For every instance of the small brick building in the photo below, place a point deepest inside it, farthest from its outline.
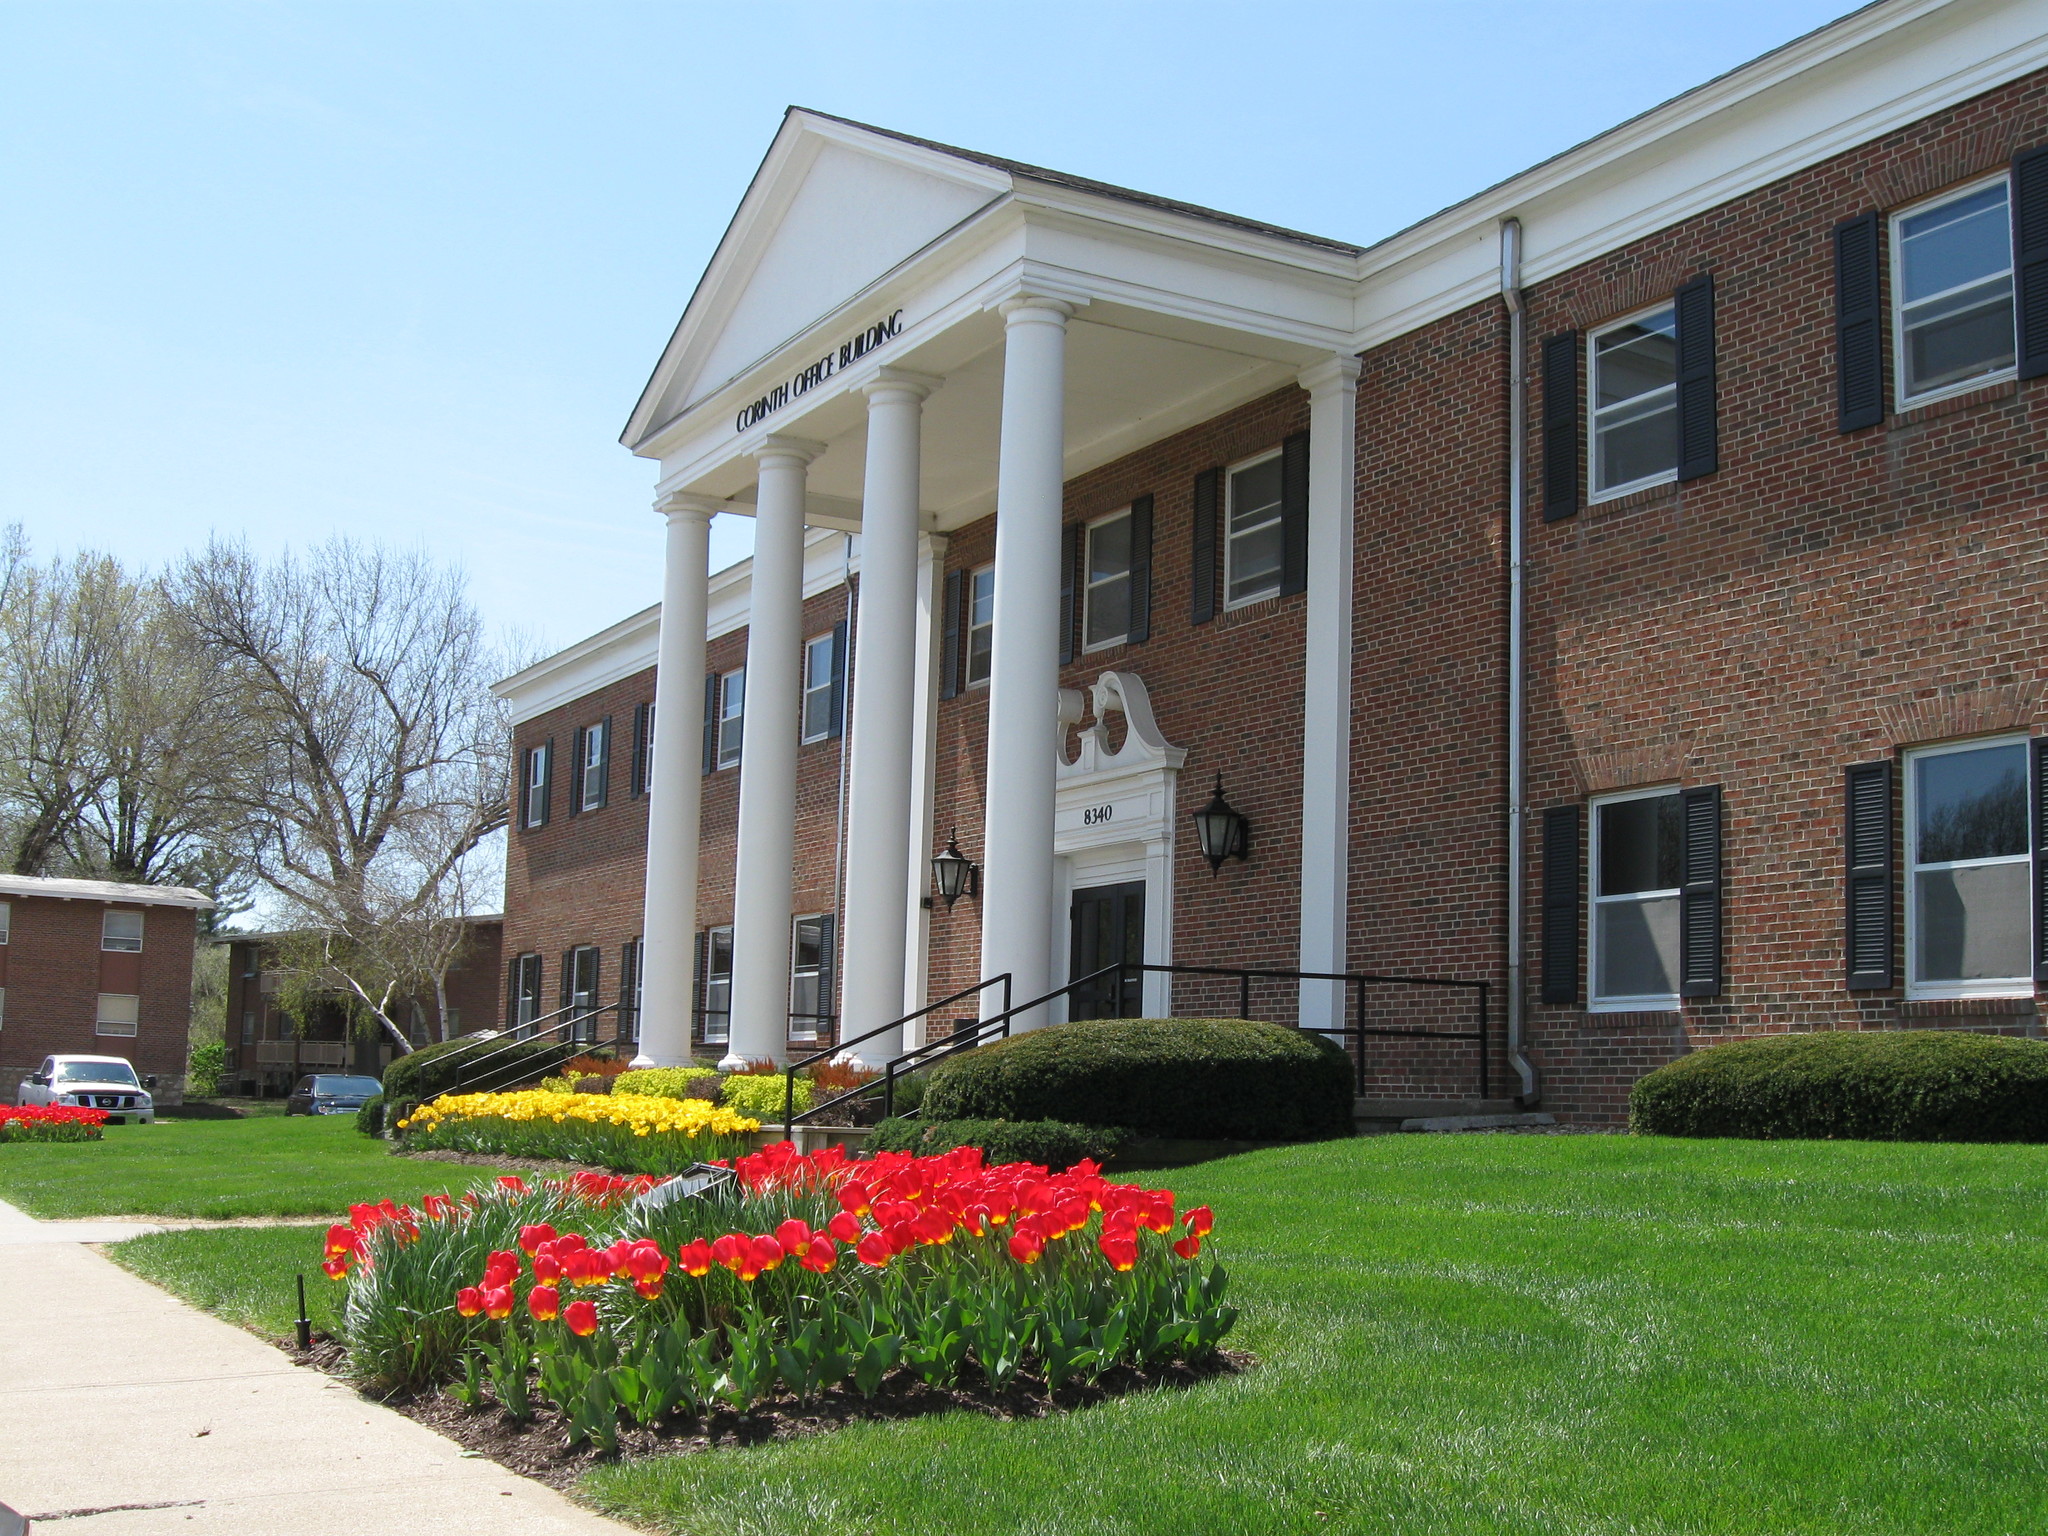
(95, 968)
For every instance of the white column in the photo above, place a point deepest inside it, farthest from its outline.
(1332, 387)
(924, 771)
(884, 701)
(767, 821)
(1023, 698)
(669, 923)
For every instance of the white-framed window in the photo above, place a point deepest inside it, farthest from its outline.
(526, 993)
(717, 985)
(122, 931)
(118, 1014)
(1106, 597)
(1255, 542)
(582, 991)
(1632, 949)
(536, 779)
(1967, 871)
(819, 654)
(981, 624)
(732, 716)
(1952, 308)
(810, 976)
(248, 1028)
(1632, 384)
(6, 919)
(594, 769)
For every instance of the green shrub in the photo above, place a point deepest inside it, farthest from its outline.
(761, 1097)
(203, 1069)
(370, 1118)
(663, 1082)
(1198, 1079)
(431, 1070)
(1054, 1144)
(1878, 1085)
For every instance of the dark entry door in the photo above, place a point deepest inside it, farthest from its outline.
(1109, 925)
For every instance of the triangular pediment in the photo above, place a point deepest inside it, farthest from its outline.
(833, 208)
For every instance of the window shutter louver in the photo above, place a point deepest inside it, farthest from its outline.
(1294, 514)
(2030, 259)
(1140, 628)
(1859, 323)
(1560, 980)
(1071, 544)
(828, 973)
(636, 770)
(629, 968)
(1561, 428)
(1699, 893)
(2037, 761)
(1699, 412)
(568, 980)
(547, 780)
(512, 993)
(1868, 834)
(711, 722)
(604, 762)
(949, 636)
(700, 982)
(1208, 496)
(837, 726)
(576, 770)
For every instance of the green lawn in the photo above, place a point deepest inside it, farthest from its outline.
(1551, 1336)
(244, 1274)
(272, 1166)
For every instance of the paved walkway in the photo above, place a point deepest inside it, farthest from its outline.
(124, 1412)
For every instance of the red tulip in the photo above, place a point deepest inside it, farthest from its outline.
(1121, 1251)
(854, 1197)
(646, 1263)
(696, 1259)
(875, 1250)
(650, 1290)
(544, 1302)
(1026, 1245)
(1188, 1246)
(729, 1249)
(513, 1182)
(581, 1318)
(502, 1268)
(547, 1269)
(336, 1268)
(845, 1226)
(795, 1237)
(768, 1253)
(1201, 1221)
(469, 1302)
(819, 1254)
(530, 1238)
(498, 1303)
(343, 1240)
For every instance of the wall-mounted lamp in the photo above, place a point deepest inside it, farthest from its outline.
(954, 873)
(1222, 830)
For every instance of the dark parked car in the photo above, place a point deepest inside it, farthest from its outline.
(327, 1093)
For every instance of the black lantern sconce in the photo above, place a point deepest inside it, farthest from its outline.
(954, 873)
(1223, 831)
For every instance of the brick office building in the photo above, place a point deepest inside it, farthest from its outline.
(96, 968)
(1722, 434)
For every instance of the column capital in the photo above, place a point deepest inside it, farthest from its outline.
(687, 504)
(899, 382)
(1339, 372)
(778, 445)
(1037, 309)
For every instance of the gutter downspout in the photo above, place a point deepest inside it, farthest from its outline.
(1517, 664)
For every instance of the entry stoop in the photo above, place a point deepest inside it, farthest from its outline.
(1377, 1117)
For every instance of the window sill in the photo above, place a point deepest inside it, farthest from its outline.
(1639, 1005)
(1628, 501)
(2010, 994)
(2018, 1004)
(1946, 405)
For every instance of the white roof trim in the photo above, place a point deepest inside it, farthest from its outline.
(104, 890)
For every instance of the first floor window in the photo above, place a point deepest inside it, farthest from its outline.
(1255, 548)
(121, 931)
(1952, 290)
(248, 1028)
(118, 1014)
(981, 623)
(810, 977)
(732, 716)
(1106, 603)
(1967, 905)
(1633, 952)
(579, 983)
(526, 996)
(819, 658)
(1634, 385)
(717, 981)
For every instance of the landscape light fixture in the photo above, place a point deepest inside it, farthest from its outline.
(954, 873)
(1222, 830)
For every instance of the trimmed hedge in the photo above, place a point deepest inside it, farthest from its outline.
(370, 1118)
(1192, 1079)
(663, 1082)
(761, 1097)
(430, 1071)
(1053, 1144)
(1877, 1085)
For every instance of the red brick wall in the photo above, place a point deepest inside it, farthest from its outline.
(53, 980)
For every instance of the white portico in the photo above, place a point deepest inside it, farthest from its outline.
(898, 339)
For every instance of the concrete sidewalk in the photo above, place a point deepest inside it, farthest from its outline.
(124, 1412)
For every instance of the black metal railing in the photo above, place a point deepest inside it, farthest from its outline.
(508, 1050)
(967, 1034)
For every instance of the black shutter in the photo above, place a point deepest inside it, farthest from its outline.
(700, 982)
(547, 780)
(1141, 571)
(629, 974)
(1868, 833)
(2030, 259)
(949, 637)
(1560, 980)
(604, 762)
(837, 726)
(828, 935)
(576, 770)
(1208, 496)
(1699, 412)
(568, 977)
(1859, 324)
(1294, 514)
(2038, 761)
(512, 979)
(1699, 893)
(711, 722)
(1071, 544)
(636, 772)
(1561, 427)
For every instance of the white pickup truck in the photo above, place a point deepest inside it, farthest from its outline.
(96, 1082)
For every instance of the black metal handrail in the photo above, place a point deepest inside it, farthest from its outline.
(790, 1072)
(998, 1024)
(470, 1069)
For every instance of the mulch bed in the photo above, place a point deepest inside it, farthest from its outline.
(553, 1167)
(539, 1449)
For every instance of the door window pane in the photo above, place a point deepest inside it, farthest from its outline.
(1635, 401)
(1636, 842)
(1954, 299)
(1107, 599)
(1970, 907)
(1255, 541)
(981, 623)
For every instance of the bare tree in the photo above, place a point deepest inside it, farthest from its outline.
(376, 751)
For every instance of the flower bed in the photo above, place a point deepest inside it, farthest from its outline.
(631, 1133)
(50, 1122)
(805, 1274)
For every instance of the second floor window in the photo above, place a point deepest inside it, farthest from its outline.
(6, 918)
(1952, 290)
(732, 716)
(981, 623)
(121, 931)
(535, 811)
(1634, 385)
(820, 668)
(1256, 547)
(1106, 607)
(594, 765)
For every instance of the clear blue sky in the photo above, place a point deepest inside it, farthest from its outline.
(399, 270)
